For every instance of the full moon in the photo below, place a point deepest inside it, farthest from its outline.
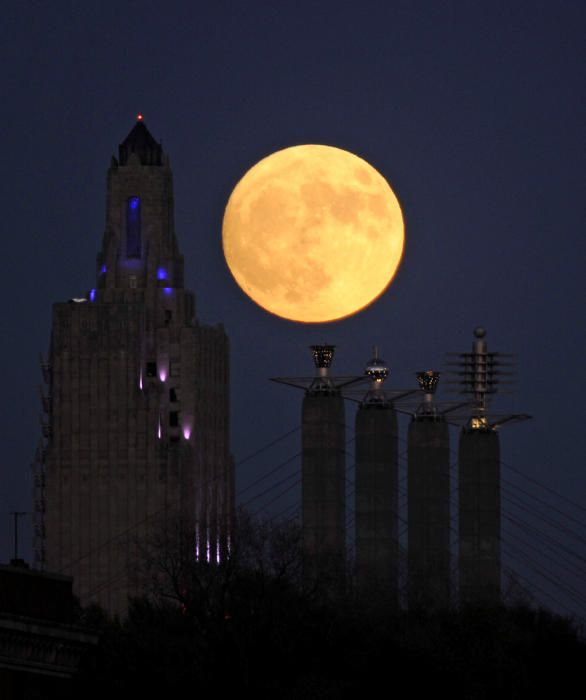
(313, 233)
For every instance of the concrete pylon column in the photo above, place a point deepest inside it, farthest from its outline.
(480, 517)
(428, 484)
(377, 501)
(324, 488)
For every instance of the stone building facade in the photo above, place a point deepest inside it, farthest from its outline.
(136, 399)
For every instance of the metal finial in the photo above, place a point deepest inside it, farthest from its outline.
(377, 369)
(428, 381)
(323, 355)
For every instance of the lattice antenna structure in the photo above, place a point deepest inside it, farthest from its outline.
(480, 375)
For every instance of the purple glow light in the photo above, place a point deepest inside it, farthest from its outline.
(140, 379)
(163, 374)
(159, 430)
(131, 264)
(197, 542)
(92, 294)
(161, 273)
(218, 551)
(168, 290)
(103, 270)
(208, 546)
(186, 432)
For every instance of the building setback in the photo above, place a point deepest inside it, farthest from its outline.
(136, 399)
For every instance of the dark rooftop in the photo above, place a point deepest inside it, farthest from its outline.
(141, 142)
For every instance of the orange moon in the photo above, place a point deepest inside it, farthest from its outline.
(313, 233)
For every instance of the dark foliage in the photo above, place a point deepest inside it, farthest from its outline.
(248, 625)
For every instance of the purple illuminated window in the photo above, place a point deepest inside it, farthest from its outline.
(92, 294)
(161, 273)
(133, 242)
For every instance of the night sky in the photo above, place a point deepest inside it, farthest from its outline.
(475, 112)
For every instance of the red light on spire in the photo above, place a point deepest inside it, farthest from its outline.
(139, 117)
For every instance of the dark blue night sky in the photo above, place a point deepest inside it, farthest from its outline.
(474, 111)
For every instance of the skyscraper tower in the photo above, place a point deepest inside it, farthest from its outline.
(377, 545)
(136, 399)
(428, 582)
(478, 376)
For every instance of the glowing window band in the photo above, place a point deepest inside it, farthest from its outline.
(133, 228)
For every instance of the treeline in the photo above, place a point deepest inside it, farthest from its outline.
(250, 625)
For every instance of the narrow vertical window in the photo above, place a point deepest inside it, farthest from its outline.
(133, 227)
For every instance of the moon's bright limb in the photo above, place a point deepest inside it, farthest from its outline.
(313, 233)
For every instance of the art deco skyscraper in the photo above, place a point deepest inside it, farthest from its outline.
(136, 400)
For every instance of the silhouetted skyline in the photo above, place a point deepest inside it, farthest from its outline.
(475, 114)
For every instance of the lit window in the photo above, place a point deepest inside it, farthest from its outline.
(133, 242)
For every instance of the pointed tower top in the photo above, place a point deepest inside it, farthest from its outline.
(141, 142)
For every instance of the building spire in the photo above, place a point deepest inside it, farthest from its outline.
(140, 142)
